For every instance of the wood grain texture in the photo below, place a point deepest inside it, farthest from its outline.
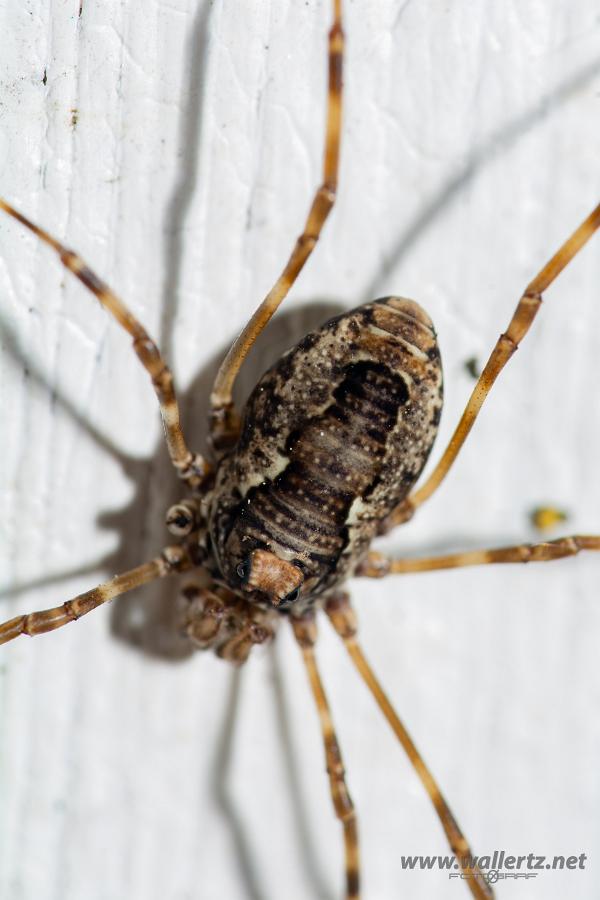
(175, 146)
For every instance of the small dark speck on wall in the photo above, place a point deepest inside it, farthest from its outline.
(472, 367)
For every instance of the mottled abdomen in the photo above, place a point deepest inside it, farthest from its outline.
(334, 436)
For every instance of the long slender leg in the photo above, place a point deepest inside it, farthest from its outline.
(506, 345)
(171, 560)
(376, 565)
(344, 622)
(191, 468)
(224, 420)
(305, 633)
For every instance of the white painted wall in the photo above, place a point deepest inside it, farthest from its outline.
(471, 149)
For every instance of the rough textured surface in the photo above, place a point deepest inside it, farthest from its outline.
(176, 145)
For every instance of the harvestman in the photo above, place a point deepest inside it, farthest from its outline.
(384, 379)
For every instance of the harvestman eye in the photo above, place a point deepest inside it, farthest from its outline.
(291, 597)
(354, 449)
(243, 570)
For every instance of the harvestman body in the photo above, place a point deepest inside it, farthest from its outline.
(323, 459)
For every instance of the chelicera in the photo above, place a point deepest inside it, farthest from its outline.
(323, 459)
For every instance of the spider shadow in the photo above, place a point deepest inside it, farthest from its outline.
(497, 144)
(147, 619)
(222, 764)
(144, 615)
